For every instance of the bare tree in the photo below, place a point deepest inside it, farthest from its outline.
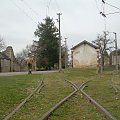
(21, 56)
(104, 43)
(2, 44)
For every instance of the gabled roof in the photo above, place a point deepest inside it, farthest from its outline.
(3, 56)
(85, 42)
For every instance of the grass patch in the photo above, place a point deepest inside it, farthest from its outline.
(102, 91)
(15, 88)
(76, 109)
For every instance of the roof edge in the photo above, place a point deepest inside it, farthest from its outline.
(84, 42)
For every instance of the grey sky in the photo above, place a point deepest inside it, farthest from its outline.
(80, 20)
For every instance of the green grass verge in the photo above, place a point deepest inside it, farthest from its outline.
(101, 89)
(15, 88)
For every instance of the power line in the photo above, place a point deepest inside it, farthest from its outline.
(49, 3)
(53, 7)
(47, 7)
(103, 3)
(97, 5)
(112, 13)
(24, 12)
(112, 6)
(103, 13)
(30, 7)
(57, 5)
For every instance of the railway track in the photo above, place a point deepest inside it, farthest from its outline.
(47, 115)
(100, 108)
(115, 86)
(37, 89)
(49, 112)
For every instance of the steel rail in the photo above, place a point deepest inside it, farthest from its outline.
(40, 85)
(39, 90)
(115, 87)
(97, 105)
(48, 113)
(72, 84)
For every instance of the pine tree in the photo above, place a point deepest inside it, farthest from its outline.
(48, 44)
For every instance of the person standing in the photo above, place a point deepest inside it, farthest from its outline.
(29, 61)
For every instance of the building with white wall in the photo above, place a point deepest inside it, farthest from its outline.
(84, 54)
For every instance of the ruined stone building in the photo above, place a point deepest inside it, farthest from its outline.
(8, 62)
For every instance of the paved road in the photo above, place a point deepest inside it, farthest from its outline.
(25, 73)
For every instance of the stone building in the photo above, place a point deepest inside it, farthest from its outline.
(8, 62)
(84, 54)
(4, 63)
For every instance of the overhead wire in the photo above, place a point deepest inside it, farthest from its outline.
(97, 6)
(24, 12)
(49, 3)
(103, 11)
(103, 4)
(36, 13)
(47, 7)
(112, 13)
(56, 8)
(57, 5)
(104, 15)
(112, 6)
(52, 5)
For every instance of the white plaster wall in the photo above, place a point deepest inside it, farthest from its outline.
(84, 56)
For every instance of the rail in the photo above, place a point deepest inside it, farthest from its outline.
(37, 89)
(49, 112)
(98, 106)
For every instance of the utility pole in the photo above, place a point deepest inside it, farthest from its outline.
(65, 53)
(116, 50)
(60, 68)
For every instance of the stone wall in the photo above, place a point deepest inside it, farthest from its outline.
(8, 63)
(5, 65)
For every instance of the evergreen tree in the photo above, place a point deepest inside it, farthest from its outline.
(48, 44)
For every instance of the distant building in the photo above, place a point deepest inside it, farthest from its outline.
(84, 54)
(8, 62)
(113, 57)
(4, 63)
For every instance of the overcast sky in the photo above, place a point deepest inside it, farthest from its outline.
(80, 20)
